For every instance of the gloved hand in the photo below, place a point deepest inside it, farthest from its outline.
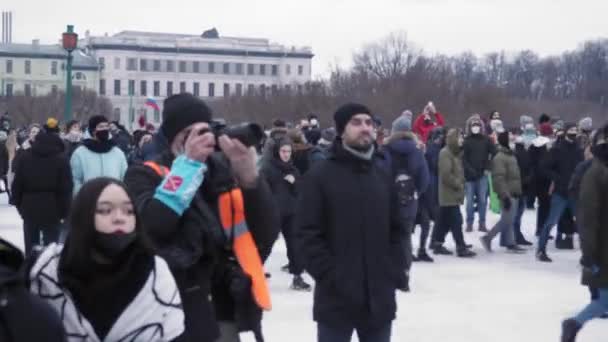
(506, 203)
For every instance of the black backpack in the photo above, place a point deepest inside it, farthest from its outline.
(402, 179)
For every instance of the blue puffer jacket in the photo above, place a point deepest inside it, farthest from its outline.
(94, 159)
(403, 146)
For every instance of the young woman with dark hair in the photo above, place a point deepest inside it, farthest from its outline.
(105, 285)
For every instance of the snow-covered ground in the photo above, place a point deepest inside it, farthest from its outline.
(495, 297)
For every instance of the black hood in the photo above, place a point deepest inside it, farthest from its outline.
(48, 144)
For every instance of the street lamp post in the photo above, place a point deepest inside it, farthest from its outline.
(70, 41)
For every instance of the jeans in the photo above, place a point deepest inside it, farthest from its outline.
(326, 333)
(595, 309)
(558, 205)
(39, 235)
(424, 219)
(505, 224)
(450, 220)
(293, 257)
(521, 208)
(477, 192)
(544, 206)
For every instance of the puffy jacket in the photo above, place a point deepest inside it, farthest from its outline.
(451, 172)
(506, 178)
(424, 128)
(477, 153)
(87, 164)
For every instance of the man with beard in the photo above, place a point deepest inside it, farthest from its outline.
(98, 156)
(351, 237)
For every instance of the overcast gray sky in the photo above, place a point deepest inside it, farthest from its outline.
(333, 28)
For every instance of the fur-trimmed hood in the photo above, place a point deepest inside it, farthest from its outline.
(475, 118)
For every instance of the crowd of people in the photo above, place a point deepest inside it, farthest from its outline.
(162, 235)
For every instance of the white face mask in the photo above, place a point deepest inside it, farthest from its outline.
(475, 129)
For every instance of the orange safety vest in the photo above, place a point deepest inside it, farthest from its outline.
(232, 217)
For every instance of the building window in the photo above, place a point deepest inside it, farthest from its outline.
(28, 90)
(226, 68)
(54, 89)
(196, 67)
(156, 65)
(102, 62)
(263, 89)
(116, 114)
(131, 87)
(156, 88)
(79, 76)
(156, 115)
(299, 89)
(102, 86)
(54, 68)
(250, 69)
(274, 89)
(9, 66)
(117, 63)
(275, 70)
(300, 70)
(28, 67)
(143, 88)
(211, 89)
(182, 87)
(117, 87)
(169, 88)
(143, 65)
(182, 66)
(288, 88)
(131, 114)
(196, 89)
(288, 69)
(239, 89)
(132, 64)
(170, 66)
(250, 89)
(239, 68)
(262, 69)
(212, 67)
(226, 89)
(9, 89)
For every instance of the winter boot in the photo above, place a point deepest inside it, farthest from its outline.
(299, 284)
(464, 252)
(604, 315)
(482, 228)
(560, 242)
(543, 257)
(486, 243)
(440, 250)
(285, 268)
(568, 242)
(523, 242)
(570, 329)
(515, 249)
(423, 256)
(469, 228)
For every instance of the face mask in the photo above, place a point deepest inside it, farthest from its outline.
(475, 129)
(103, 135)
(571, 136)
(112, 245)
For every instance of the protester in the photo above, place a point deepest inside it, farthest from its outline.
(284, 178)
(526, 170)
(72, 137)
(478, 151)
(593, 218)
(451, 196)
(191, 224)
(313, 133)
(427, 121)
(302, 150)
(141, 139)
(346, 218)
(103, 283)
(540, 181)
(322, 150)
(32, 132)
(120, 136)
(4, 162)
(41, 191)
(98, 156)
(506, 181)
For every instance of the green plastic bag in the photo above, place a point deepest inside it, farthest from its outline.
(494, 201)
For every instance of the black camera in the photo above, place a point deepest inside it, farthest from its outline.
(249, 134)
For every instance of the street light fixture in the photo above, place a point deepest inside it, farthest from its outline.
(70, 42)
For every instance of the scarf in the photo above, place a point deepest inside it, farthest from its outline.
(99, 146)
(367, 155)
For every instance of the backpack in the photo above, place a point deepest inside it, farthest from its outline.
(402, 179)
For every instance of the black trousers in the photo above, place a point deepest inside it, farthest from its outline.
(449, 220)
(423, 218)
(288, 230)
(39, 235)
(566, 223)
(544, 207)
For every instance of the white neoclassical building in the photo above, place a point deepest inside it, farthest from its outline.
(136, 66)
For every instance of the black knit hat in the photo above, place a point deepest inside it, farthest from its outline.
(544, 118)
(346, 112)
(181, 111)
(94, 121)
(503, 139)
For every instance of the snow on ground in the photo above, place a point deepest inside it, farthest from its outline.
(496, 297)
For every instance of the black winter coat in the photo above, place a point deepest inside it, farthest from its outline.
(560, 164)
(351, 239)
(478, 151)
(540, 182)
(525, 169)
(3, 160)
(284, 193)
(193, 246)
(42, 187)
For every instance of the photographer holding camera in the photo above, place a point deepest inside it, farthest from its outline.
(211, 217)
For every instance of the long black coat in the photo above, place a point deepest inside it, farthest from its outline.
(526, 170)
(3, 160)
(42, 187)
(540, 182)
(284, 193)
(560, 164)
(192, 245)
(351, 239)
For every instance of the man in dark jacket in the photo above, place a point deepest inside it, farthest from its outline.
(42, 189)
(524, 163)
(477, 152)
(559, 166)
(593, 220)
(410, 174)
(539, 150)
(181, 217)
(121, 137)
(351, 236)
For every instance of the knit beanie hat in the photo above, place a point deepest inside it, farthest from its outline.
(503, 139)
(586, 124)
(546, 130)
(52, 125)
(544, 118)
(346, 112)
(402, 124)
(181, 111)
(94, 121)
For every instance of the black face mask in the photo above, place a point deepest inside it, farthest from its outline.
(571, 136)
(103, 135)
(112, 245)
